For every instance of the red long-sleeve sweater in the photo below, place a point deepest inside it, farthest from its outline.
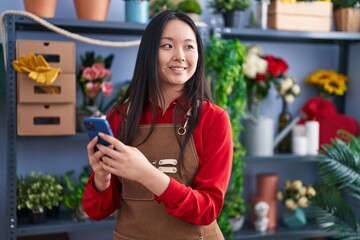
(202, 202)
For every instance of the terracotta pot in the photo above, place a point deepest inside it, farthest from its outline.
(41, 8)
(95, 10)
(267, 185)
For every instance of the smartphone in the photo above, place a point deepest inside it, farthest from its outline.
(95, 125)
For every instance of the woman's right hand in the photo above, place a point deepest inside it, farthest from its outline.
(101, 177)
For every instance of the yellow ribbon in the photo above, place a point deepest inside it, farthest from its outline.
(37, 68)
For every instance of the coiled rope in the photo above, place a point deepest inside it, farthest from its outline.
(61, 31)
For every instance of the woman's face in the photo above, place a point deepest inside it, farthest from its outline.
(178, 55)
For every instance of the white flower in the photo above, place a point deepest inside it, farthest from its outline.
(289, 98)
(255, 50)
(286, 84)
(295, 89)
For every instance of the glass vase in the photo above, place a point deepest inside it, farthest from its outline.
(294, 218)
(284, 119)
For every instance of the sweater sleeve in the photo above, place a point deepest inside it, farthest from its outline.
(202, 202)
(99, 205)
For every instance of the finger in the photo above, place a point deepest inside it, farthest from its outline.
(91, 145)
(113, 141)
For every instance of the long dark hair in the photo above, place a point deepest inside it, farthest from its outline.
(145, 84)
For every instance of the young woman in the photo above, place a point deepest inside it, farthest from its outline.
(168, 168)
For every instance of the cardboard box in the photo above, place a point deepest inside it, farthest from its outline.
(63, 90)
(34, 119)
(57, 54)
(300, 16)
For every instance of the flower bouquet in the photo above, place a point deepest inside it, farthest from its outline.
(94, 80)
(295, 197)
(260, 70)
(328, 82)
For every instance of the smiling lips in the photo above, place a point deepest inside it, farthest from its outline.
(178, 69)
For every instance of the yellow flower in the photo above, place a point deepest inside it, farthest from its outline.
(311, 191)
(297, 184)
(328, 81)
(302, 191)
(280, 196)
(303, 202)
(290, 204)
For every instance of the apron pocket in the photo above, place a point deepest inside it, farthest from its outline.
(135, 191)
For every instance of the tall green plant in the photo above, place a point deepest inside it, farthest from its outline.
(339, 168)
(223, 67)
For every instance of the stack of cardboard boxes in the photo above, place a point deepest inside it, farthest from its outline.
(45, 110)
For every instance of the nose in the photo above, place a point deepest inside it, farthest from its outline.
(179, 55)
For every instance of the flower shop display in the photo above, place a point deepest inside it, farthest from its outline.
(347, 15)
(260, 73)
(300, 15)
(296, 196)
(94, 80)
(38, 192)
(288, 89)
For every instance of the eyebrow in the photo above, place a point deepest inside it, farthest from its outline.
(171, 39)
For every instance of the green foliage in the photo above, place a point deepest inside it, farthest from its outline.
(161, 5)
(339, 168)
(38, 191)
(189, 6)
(221, 6)
(223, 61)
(74, 190)
(345, 3)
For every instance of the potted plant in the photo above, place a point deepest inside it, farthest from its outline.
(296, 196)
(137, 11)
(223, 61)
(337, 197)
(228, 8)
(38, 192)
(190, 7)
(74, 191)
(161, 5)
(347, 15)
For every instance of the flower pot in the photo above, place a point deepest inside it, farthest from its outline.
(229, 18)
(36, 217)
(347, 20)
(41, 8)
(137, 11)
(258, 136)
(294, 218)
(95, 10)
(236, 223)
(79, 214)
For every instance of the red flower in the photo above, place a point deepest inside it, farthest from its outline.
(277, 67)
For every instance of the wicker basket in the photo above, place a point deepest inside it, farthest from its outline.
(347, 20)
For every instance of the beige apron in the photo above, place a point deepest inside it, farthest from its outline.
(139, 215)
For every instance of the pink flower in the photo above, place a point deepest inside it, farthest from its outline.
(89, 74)
(107, 88)
(99, 69)
(92, 89)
